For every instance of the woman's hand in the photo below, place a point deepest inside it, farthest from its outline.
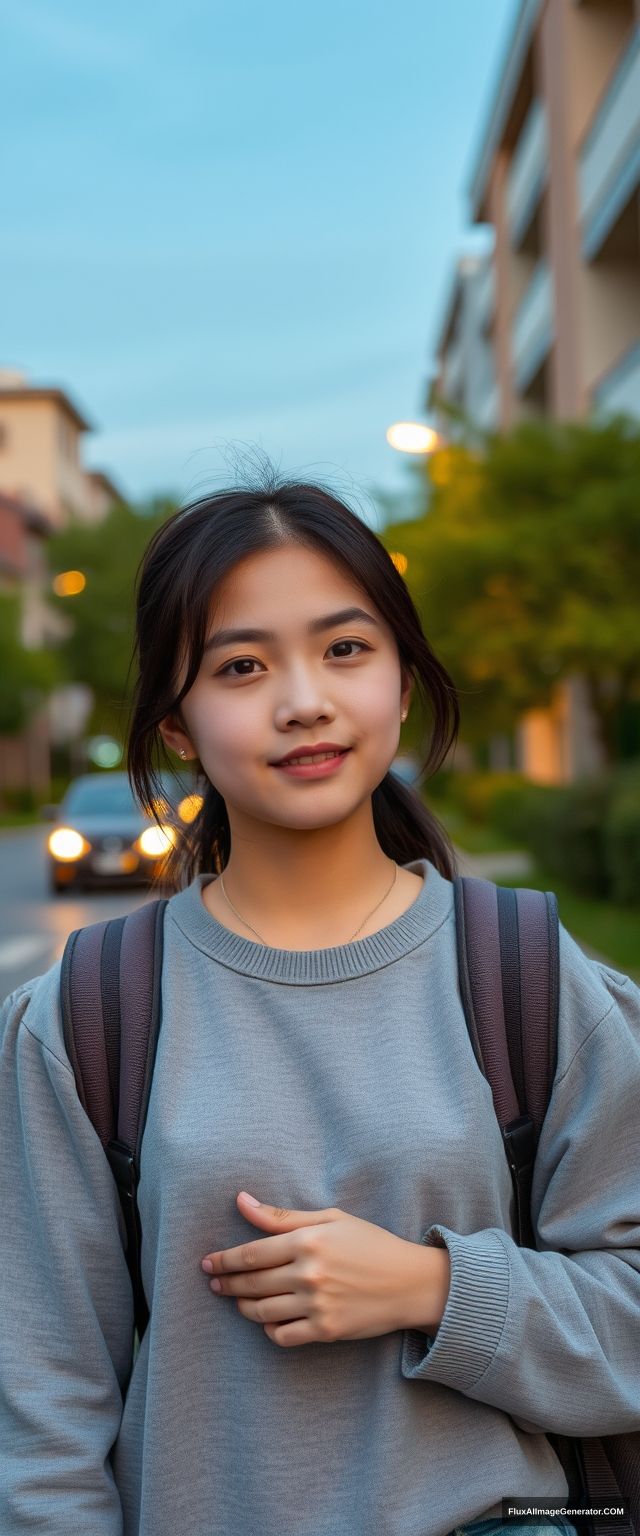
(328, 1276)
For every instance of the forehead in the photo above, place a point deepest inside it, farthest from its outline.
(287, 583)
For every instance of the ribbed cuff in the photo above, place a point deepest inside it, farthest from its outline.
(471, 1326)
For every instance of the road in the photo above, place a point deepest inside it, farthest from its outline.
(34, 924)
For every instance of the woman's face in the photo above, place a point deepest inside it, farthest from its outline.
(255, 699)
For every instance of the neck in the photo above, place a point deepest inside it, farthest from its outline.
(293, 880)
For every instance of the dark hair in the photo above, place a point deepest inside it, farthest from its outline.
(184, 561)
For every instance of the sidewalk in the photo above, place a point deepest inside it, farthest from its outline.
(493, 866)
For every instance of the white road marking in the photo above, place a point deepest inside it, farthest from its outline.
(14, 952)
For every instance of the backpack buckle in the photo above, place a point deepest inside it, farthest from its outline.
(519, 1144)
(123, 1165)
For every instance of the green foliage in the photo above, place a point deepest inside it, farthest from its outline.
(525, 568)
(98, 650)
(26, 676)
(587, 834)
(566, 834)
(504, 802)
(21, 800)
(622, 843)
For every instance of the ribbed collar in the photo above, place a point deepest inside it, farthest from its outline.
(430, 909)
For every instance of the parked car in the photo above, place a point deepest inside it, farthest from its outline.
(103, 837)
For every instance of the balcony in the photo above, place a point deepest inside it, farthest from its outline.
(486, 295)
(609, 166)
(487, 413)
(453, 371)
(619, 391)
(527, 172)
(532, 331)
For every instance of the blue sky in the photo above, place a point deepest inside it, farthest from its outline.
(227, 226)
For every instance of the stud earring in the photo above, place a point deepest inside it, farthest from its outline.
(182, 752)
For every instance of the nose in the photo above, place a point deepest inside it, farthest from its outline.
(304, 698)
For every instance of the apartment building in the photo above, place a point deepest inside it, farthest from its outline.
(557, 177)
(466, 376)
(40, 453)
(43, 483)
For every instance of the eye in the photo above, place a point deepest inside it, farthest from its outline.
(361, 643)
(239, 661)
(243, 660)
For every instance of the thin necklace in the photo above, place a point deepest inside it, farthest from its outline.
(349, 941)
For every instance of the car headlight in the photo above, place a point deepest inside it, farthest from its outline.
(156, 841)
(67, 845)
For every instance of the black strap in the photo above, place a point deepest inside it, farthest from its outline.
(110, 996)
(110, 993)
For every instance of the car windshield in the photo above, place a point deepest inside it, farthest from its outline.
(102, 798)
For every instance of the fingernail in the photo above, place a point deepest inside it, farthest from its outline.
(208, 1266)
(250, 1199)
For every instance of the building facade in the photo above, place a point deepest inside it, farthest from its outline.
(40, 454)
(557, 177)
(466, 373)
(43, 485)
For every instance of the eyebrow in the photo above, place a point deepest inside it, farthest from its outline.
(316, 626)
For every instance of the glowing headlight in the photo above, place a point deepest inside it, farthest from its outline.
(156, 841)
(67, 845)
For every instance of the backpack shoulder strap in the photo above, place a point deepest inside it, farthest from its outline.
(111, 1009)
(508, 964)
(509, 976)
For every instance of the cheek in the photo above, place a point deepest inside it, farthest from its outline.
(378, 702)
(223, 733)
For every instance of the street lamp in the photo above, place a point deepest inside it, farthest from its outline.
(412, 437)
(69, 583)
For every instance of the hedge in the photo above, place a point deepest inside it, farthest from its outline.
(587, 833)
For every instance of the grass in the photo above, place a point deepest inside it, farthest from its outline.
(10, 819)
(612, 931)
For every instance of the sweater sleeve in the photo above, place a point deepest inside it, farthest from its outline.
(66, 1300)
(551, 1335)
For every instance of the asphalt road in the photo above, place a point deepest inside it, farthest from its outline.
(34, 924)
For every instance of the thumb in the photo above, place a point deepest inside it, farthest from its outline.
(278, 1216)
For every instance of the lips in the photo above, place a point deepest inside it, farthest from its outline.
(324, 766)
(321, 747)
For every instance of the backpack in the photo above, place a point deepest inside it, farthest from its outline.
(508, 968)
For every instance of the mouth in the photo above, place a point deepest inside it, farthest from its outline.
(313, 765)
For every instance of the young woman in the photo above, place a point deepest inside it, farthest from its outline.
(380, 1356)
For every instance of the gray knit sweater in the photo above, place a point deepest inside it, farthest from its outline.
(344, 1077)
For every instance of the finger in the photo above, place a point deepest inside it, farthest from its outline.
(259, 1282)
(274, 1309)
(286, 1334)
(257, 1253)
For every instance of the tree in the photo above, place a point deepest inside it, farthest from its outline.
(26, 676)
(525, 567)
(98, 649)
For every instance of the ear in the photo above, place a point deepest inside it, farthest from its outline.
(176, 738)
(407, 690)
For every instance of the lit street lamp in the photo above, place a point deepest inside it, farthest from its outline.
(412, 437)
(69, 583)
